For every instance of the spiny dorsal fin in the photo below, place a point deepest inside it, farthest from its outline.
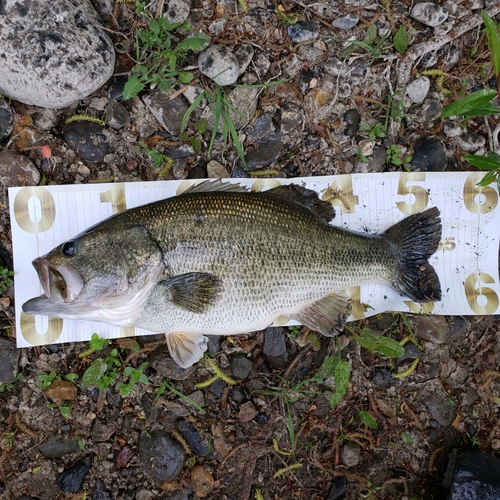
(193, 292)
(212, 186)
(305, 197)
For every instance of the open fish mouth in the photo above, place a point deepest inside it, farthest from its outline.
(60, 283)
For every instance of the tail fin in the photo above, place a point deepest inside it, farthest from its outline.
(417, 238)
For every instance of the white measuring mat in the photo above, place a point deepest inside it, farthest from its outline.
(466, 261)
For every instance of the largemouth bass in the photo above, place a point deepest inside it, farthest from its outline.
(220, 260)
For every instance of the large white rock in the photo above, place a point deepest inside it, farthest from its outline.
(52, 53)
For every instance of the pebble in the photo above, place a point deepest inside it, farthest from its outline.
(244, 54)
(6, 119)
(241, 367)
(429, 13)
(100, 492)
(261, 64)
(216, 170)
(160, 360)
(40, 47)
(87, 139)
(441, 409)
(101, 432)
(58, 446)
(202, 481)
(429, 155)
(217, 388)
(337, 489)
(217, 27)
(433, 330)
(346, 22)
(350, 454)
(265, 153)
(177, 12)
(46, 119)
(303, 31)
(168, 112)
(117, 115)
(261, 418)
(383, 378)
(411, 352)
(418, 89)
(470, 141)
(452, 128)
(244, 100)
(247, 412)
(115, 90)
(61, 391)
(124, 457)
(193, 438)
(261, 127)
(197, 172)
(322, 97)
(71, 480)
(289, 93)
(220, 64)
(9, 360)
(334, 67)
(144, 495)
(239, 172)
(290, 120)
(162, 457)
(352, 120)
(274, 341)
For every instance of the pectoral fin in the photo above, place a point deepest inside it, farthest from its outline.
(194, 292)
(327, 315)
(186, 348)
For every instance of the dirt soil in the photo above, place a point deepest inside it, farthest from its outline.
(269, 433)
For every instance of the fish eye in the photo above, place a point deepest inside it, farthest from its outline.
(69, 248)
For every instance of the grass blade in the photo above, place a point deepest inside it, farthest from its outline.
(468, 103)
(190, 110)
(494, 44)
(482, 162)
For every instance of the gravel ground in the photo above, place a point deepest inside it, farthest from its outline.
(260, 424)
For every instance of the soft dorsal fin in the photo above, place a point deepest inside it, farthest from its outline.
(212, 186)
(305, 197)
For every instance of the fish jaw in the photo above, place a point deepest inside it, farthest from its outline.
(61, 283)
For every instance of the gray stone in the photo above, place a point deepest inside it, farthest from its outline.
(177, 12)
(335, 67)
(433, 330)
(87, 139)
(241, 367)
(429, 13)
(161, 361)
(290, 120)
(244, 54)
(411, 352)
(53, 54)
(193, 438)
(417, 89)
(274, 342)
(162, 457)
(117, 115)
(346, 22)
(441, 409)
(243, 99)
(262, 64)
(429, 155)
(71, 480)
(470, 141)
(17, 170)
(168, 112)
(378, 159)
(6, 119)
(9, 359)
(261, 127)
(220, 64)
(265, 153)
(45, 119)
(303, 31)
(216, 170)
(57, 446)
(217, 27)
(247, 412)
(101, 432)
(350, 454)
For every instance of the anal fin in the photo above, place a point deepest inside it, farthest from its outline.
(186, 348)
(327, 315)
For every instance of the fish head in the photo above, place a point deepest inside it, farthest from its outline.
(102, 268)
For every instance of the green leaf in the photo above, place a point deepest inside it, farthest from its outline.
(196, 144)
(94, 372)
(400, 40)
(371, 34)
(406, 438)
(190, 110)
(327, 368)
(493, 42)
(194, 43)
(379, 343)
(66, 411)
(483, 162)
(185, 76)
(488, 178)
(368, 419)
(489, 109)
(132, 87)
(342, 374)
(469, 103)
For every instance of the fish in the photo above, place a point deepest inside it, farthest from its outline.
(222, 260)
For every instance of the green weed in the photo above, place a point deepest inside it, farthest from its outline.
(5, 279)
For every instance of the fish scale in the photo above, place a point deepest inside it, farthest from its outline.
(219, 260)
